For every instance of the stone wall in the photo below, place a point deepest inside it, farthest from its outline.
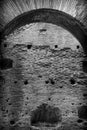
(43, 64)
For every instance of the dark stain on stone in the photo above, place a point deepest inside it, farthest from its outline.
(82, 112)
(6, 63)
(85, 95)
(45, 114)
(5, 45)
(2, 80)
(15, 82)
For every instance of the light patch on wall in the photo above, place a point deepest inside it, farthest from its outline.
(54, 35)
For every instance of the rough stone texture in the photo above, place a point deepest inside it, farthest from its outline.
(42, 73)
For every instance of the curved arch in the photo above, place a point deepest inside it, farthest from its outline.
(56, 17)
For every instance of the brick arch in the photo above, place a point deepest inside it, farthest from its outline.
(56, 17)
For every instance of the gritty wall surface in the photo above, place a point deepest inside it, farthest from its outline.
(44, 66)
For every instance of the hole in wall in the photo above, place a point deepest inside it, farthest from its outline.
(72, 81)
(39, 76)
(79, 121)
(77, 46)
(15, 82)
(61, 86)
(43, 30)
(47, 81)
(52, 81)
(49, 98)
(56, 46)
(72, 103)
(85, 95)
(26, 82)
(12, 122)
(29, 46)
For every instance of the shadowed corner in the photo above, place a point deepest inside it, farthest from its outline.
(84, 65)
(6, 63)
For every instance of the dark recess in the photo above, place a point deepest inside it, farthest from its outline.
(72, 81)
(29, 46)
(79, 121)
(39, 76)
(6, 63)
(12, 122)
(82, 112)
(78, 46)
(47, 81)
(5, 45)
(84, 65)
(26, 82)
(43, 30)
(56, 46)
(85, 95)
(52, 81)
(45, 114)
(2, 80)
(15, 82)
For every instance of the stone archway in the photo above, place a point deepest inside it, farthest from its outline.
(50, 16)
(18, 84)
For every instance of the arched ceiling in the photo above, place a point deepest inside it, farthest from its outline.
(56, 17)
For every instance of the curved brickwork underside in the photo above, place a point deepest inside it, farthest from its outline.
(50, 16)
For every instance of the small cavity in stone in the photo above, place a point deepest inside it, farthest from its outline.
(12, 122)
(56, 46)
(52, 81)
(15, 82)
(29, 46)
(78, 46)
(47, 81)
(72, 81)
(26, 82)
(43, 30)
(79, 121)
